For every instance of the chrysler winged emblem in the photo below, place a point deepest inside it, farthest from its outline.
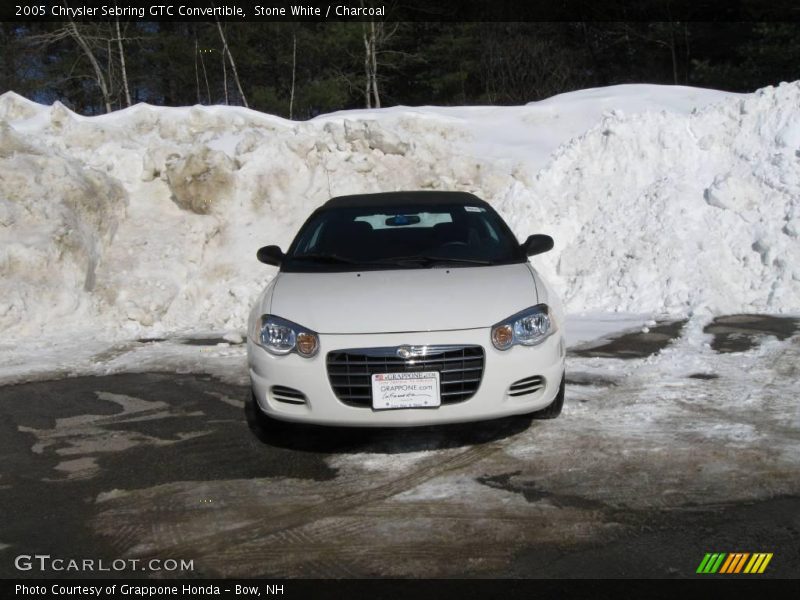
(406, 352)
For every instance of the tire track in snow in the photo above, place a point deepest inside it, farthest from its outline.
(262, 523)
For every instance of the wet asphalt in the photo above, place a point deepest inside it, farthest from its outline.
(174, 466)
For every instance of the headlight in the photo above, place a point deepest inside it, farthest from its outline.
(280, 336)
(530, 327)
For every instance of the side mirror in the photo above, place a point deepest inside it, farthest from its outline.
(270, 255)
(536, 244)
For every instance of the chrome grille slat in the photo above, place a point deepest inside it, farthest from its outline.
(461, 370)
(460, 381)
(399, 361)
(350, 371)
(456, 393)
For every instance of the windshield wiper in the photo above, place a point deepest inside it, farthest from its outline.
(341, 260)
(432, 260)
(394, 261)
(329, 258)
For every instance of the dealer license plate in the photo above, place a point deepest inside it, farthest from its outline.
(405, 390)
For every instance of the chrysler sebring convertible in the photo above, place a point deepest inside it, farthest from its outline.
(403, 309)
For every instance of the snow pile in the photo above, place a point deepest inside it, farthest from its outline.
(56, 219)
(661, 199)
(674, 213)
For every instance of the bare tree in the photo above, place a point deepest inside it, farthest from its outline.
(375, 36)
(523, 62)
(201, 52)
(374, 59)
(102, 44)
(225, 78)
(369, 49)
(665, 35)
(196, 70)
(227, 51)
(123, 68)
(73, 30)
(294, 69)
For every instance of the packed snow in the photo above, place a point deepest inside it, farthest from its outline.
(145, 222)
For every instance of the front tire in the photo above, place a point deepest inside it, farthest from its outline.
(552, 411)
(260, 424)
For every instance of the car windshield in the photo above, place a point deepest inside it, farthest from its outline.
(400, 237)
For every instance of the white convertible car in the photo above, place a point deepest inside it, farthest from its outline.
(402, 309)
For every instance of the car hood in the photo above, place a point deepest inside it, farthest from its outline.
(403, 300)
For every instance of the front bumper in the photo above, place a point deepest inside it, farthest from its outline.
(322, 407)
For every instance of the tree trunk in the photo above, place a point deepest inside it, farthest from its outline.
(373, 98)
(122, 66)
(196, 70)
(233, 64)
(205, 76)
(367, 74)
(225, 78)
(374, 58)
(294, 68)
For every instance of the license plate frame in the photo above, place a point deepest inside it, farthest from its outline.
(392, 391)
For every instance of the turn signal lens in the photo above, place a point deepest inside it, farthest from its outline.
(307, 344)
(503, 337)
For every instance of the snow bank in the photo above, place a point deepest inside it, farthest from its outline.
(677, 213)
(661, 199)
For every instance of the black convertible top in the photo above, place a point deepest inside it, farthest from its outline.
(418, 198)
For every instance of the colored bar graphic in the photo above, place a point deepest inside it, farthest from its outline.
(727, 564)
(734, 562)
(703, 563)
(765, 563)
(740, 564)
(710, 564)
(717, 564)
(730, 564)
(754, 563)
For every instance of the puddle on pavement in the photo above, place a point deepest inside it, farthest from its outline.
(511, 482)
(67, 442)
(635, 344)
(739, 333)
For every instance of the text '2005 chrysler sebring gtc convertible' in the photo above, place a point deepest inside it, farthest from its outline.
(406, 308)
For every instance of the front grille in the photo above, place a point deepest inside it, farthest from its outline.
(526, 386)
(460, 371)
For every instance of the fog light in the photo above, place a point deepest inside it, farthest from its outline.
(503, 337)
(307, 344)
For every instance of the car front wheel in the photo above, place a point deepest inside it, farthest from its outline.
(552, 411)
(260, 424)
